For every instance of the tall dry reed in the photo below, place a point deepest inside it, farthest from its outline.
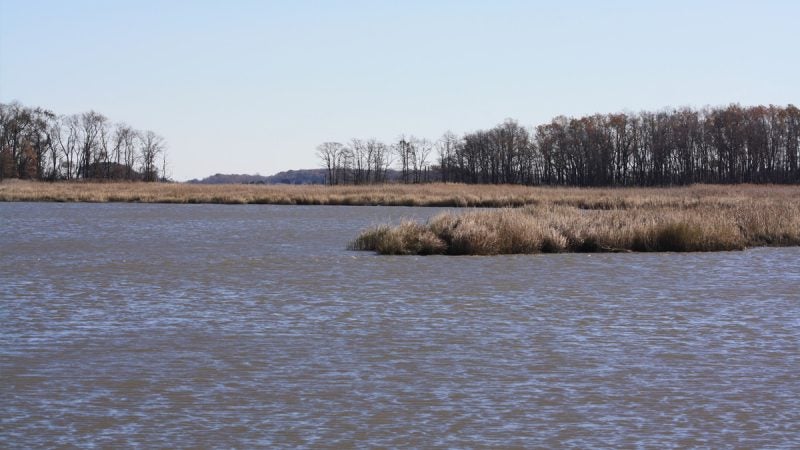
(437, 194)
(545, 219)
(704, 222)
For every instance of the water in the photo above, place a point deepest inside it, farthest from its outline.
(241, 326)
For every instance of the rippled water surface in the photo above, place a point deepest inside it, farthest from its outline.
(243, 326)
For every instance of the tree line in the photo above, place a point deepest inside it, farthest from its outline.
(37, 144)
(732, 144)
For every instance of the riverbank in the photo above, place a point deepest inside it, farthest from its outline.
(529, 219)
(698, 218)
(452, 195)
(436, 194)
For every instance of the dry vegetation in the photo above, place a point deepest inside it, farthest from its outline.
(435, 194)
(543, 219)
(697, 218)
(455, 195)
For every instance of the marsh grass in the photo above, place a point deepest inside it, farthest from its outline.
(436, 194)
(408, 238)
(704, 222)
(528, 219)
(453, 195)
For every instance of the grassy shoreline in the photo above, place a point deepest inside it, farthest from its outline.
(453, 195)
(698, 218)
(525, 219)
(437, 194)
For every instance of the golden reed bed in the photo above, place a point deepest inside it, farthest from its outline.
(695, 218)
(454, 195)
(437, 194)
(543, 219)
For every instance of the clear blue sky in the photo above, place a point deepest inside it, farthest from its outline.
(252, 86)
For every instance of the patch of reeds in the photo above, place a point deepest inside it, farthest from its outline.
(707, 226)
(435, 194)
(408, 238)
(543, 219)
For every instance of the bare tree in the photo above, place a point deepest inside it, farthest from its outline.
(403, 148)
(102, 161)
(151, 145)
(40, 138)
(446, 150)
(423, 149)
(123, 151)
(53, 148)
(129, 155)
(360, 160)
(67, 137)
(16, 121)
(91, 127)
(329, 153)
(164, 175)
(344, 164)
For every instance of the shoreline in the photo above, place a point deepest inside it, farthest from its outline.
(693, 219)
(518, 219)
(421, 195)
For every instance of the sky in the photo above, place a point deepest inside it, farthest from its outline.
(255, 86)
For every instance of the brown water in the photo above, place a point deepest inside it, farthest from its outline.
(242, 326)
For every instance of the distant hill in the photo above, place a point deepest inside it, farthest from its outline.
(303, 176)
